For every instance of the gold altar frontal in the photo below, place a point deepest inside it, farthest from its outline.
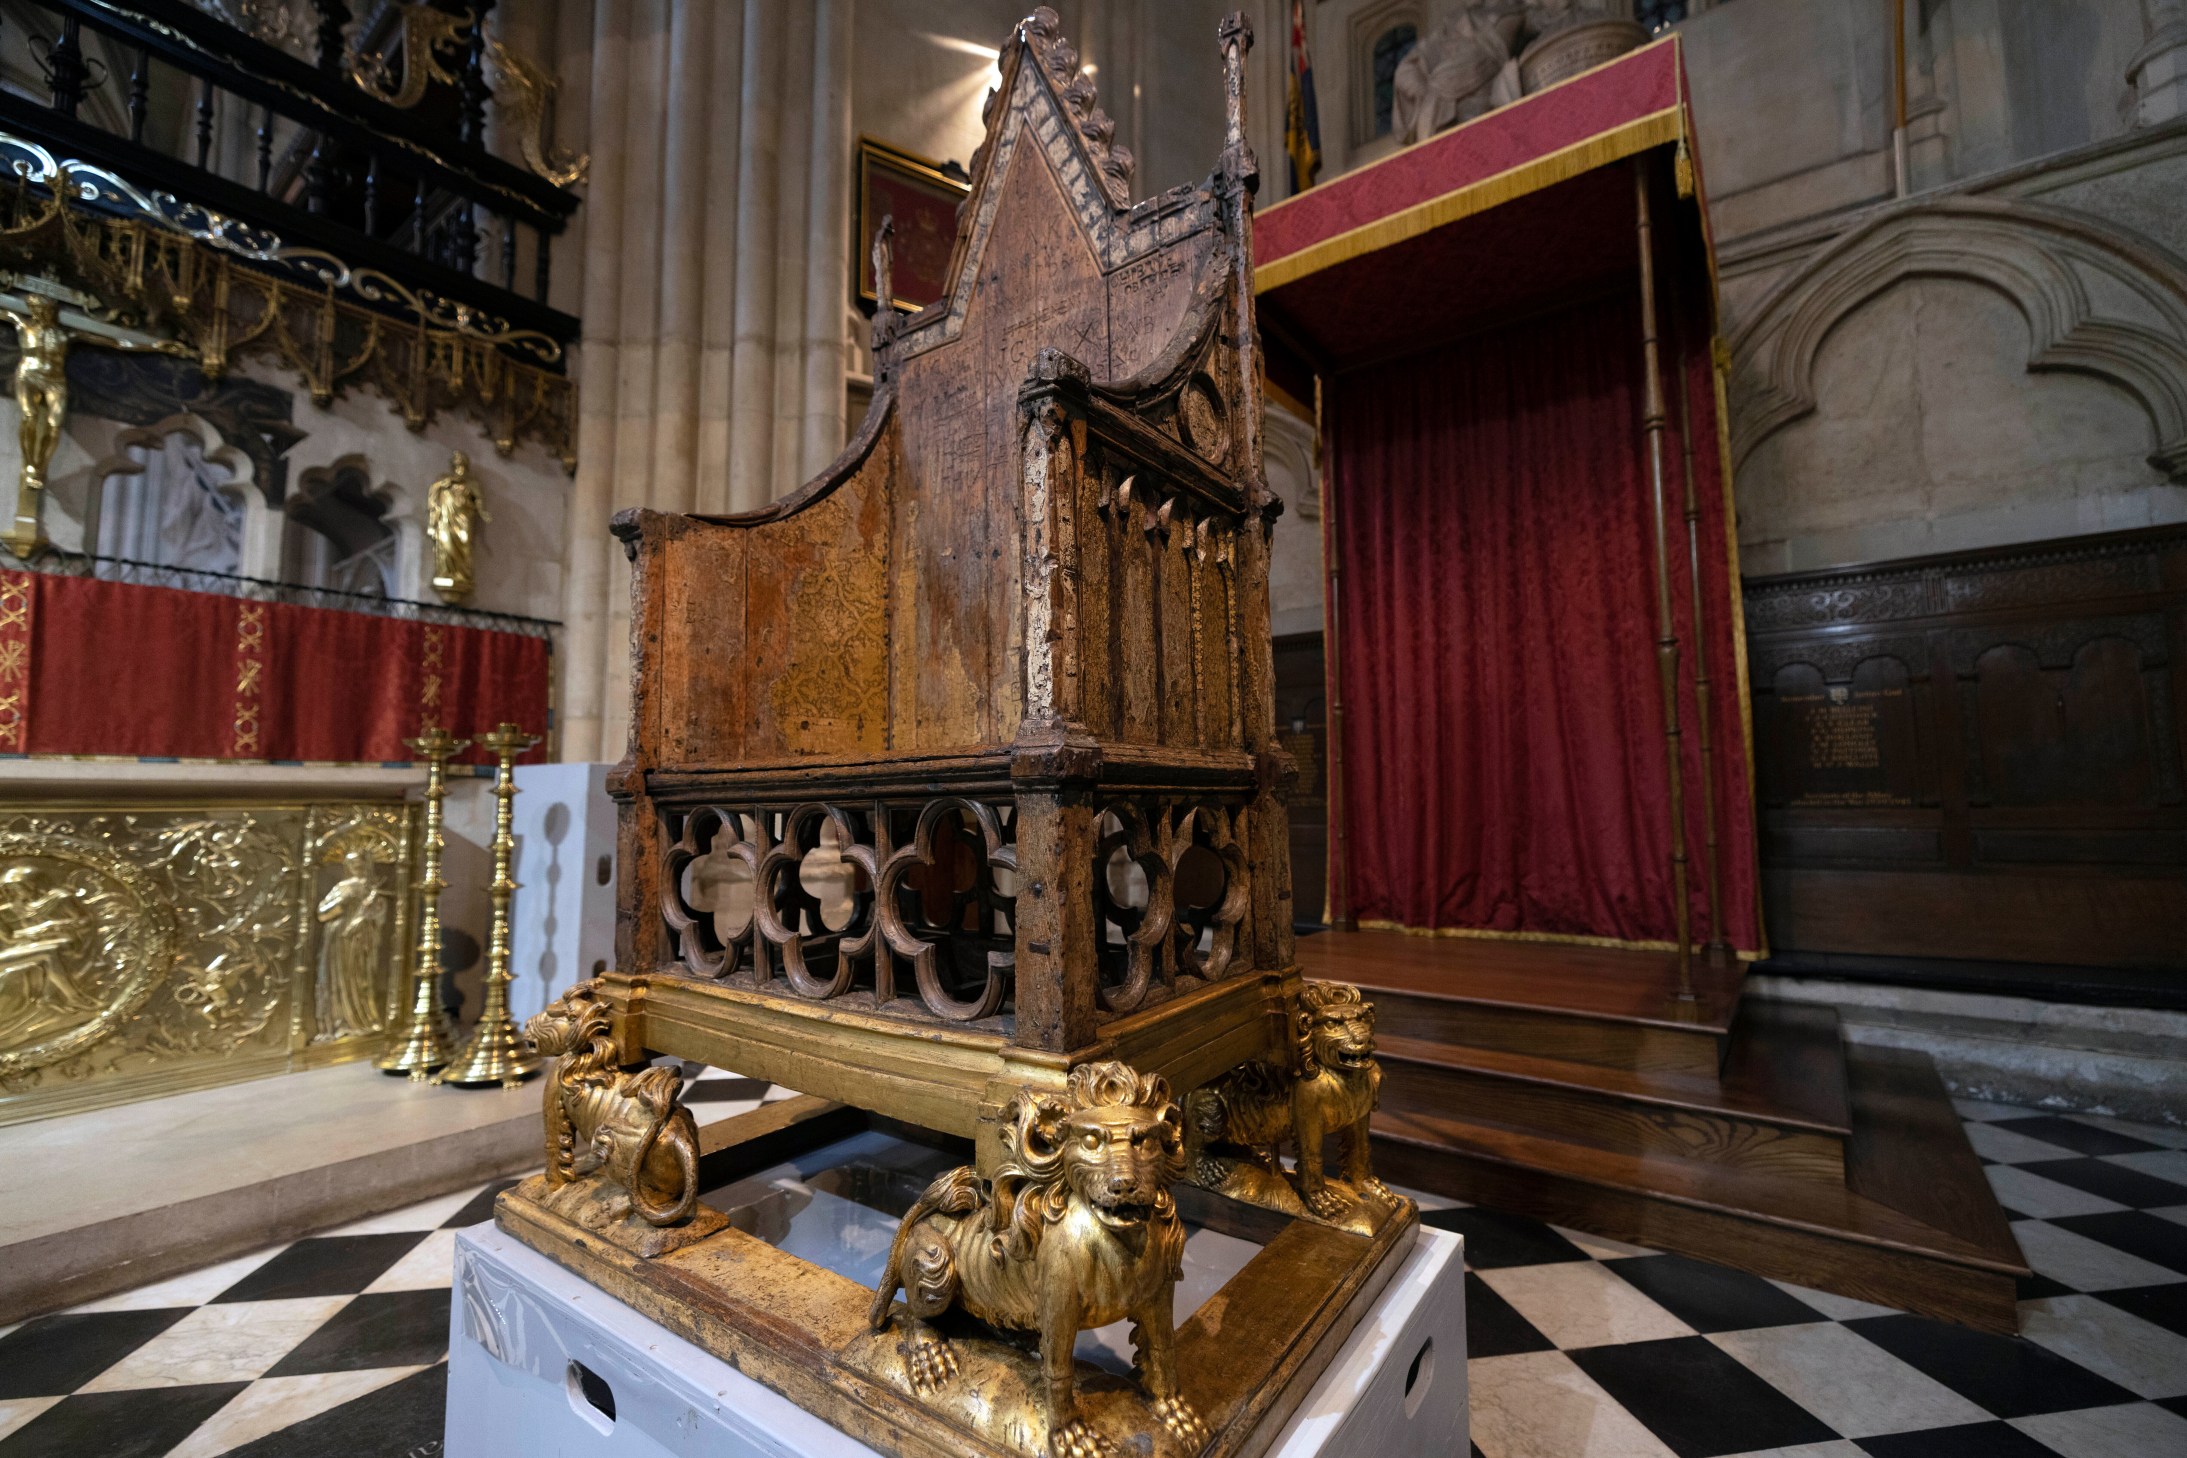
(980, 724)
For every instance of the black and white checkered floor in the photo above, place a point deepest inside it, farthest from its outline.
(1581, 1347)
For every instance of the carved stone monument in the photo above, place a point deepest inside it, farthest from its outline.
(954, 801)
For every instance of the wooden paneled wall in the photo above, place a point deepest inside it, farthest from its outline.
(1981, 756)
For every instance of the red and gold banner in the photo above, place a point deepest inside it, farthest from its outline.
(91, 667)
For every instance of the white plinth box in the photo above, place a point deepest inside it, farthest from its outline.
(536, 1357)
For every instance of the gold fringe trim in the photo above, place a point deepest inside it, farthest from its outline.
(1569, 939)
(1600, 150)
(1682, 168)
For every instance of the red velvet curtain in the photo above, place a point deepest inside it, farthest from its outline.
(1503, 754)
(92, 667)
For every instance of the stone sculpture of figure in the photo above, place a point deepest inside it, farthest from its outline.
(452, 507)
(1461, 68)
(355, 915)
(41, 392)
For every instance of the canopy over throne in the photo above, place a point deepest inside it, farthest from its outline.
(982, 713)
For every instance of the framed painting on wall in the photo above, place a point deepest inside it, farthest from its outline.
(922, 196)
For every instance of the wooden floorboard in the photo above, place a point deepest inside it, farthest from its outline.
(1594, 982)
(1909, 1150)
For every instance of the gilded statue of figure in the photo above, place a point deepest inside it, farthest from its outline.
(354, 911)
(41, 392)
(42, 932)
(452, 506)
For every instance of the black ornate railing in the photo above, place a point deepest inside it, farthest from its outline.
(260, 589)
(271, 156)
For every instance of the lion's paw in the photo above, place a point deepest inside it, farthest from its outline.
(929, 1361)
(1183, 1422)
(1328, 1204)
(1076, 1440)
(1374, 1189)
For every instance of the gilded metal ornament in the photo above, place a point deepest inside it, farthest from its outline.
(424, 1045)
(41, 394)
(523, 91)
(622, 1154)
(152, 947)
(495, 1053)
(453, 509)
(1076, 1229)
(426, 32)
(1242, 1121)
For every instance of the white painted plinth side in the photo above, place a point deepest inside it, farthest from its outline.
(518, 1321)
(562, 919)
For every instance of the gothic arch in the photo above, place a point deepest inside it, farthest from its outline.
(2069, 275)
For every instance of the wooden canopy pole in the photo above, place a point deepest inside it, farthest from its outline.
(1653, 424)
(1718, 950)
(1338, 912)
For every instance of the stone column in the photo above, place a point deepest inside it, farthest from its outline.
(715, 248)
(2158, 72)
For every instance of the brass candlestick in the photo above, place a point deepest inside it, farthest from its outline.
(496, 1052)
(425, 1045)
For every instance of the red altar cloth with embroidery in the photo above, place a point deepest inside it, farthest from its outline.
(93, 667)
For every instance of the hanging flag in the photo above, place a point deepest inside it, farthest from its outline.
(1301, 121)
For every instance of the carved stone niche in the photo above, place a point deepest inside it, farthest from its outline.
(954, 797)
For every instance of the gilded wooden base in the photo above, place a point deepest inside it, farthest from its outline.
(1246, 1358)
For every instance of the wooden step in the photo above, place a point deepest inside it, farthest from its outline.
(1611, 1006)
(1796, 1132)
(1943, 1250)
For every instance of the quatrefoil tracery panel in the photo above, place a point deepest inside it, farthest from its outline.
(838, 895)
(1171, 890)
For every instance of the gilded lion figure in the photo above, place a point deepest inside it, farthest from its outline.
(1077, 1229)
(1257, 1109)
(618, 1144)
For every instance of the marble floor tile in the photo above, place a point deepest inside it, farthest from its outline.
(1698, 1399)
(425, 1215)
(324, 1265)
(391, 1329)
(1580, 1304)
(2165, 1305)
(2110, 1179)
(1712, 1298)
(274, 1403)
(1494, 1238)
(2005, 1147)
(2136, 1430)
(1836, 1307)
(1601, 1247)
(404, 1419)
(1850, 1383)
(1974, 1440)
(1538, 1403)
(480, 1207)
(2140, 1356)
(1979, 1111)
(226, 1343)
(2031, 1194)
(19, 1410)
(2137, 1232)
(2165, 1164)
(191, 1288)
(2177, 1214)
(144, 1423)
(430, 1264)
(1835, 1448)
(2001, 1374)
(2167, 1136)
(2077, 1135)
(2083, 1264)
(1493, 1327)
(52, 1356)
